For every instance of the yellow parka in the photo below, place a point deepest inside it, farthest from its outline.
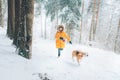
(60, 43)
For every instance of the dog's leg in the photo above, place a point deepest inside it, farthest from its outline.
(72, 57)
(78, 61)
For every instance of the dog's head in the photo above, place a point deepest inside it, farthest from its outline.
(85, 54)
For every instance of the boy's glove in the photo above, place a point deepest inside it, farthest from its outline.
(61, 38)
(70, 42)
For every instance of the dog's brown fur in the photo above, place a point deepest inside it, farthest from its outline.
(78, 55)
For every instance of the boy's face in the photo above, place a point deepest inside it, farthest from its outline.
(60, 29)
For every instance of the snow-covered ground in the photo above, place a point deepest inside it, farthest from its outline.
(99, 65)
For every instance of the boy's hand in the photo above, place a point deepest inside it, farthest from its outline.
(61, 38)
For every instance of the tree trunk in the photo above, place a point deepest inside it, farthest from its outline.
(11, 19)
(57, 18)
(1, 15)
(110, 27)
(94, 19)
(22, 30)
(0, 12)
(29, 25)
(22, 27)
(92, 23)
(97, 13)
(117, 34)
(110, 30)
(41, 26)
(81, 25)
(91, 29)
(45, 28)
(67, 29)
(17, 22)
(8, 22)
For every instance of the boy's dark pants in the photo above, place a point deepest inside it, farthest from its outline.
(59, 51)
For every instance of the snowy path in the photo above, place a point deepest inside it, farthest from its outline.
(99, 65)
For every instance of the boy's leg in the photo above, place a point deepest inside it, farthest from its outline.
(59, 51)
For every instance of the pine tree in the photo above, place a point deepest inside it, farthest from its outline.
(67, 10)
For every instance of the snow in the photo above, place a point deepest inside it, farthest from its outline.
(99, 65)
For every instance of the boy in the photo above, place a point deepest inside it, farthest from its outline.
(60, 39)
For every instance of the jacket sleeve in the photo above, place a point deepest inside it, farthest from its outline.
(56, 35)
(67, 37)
